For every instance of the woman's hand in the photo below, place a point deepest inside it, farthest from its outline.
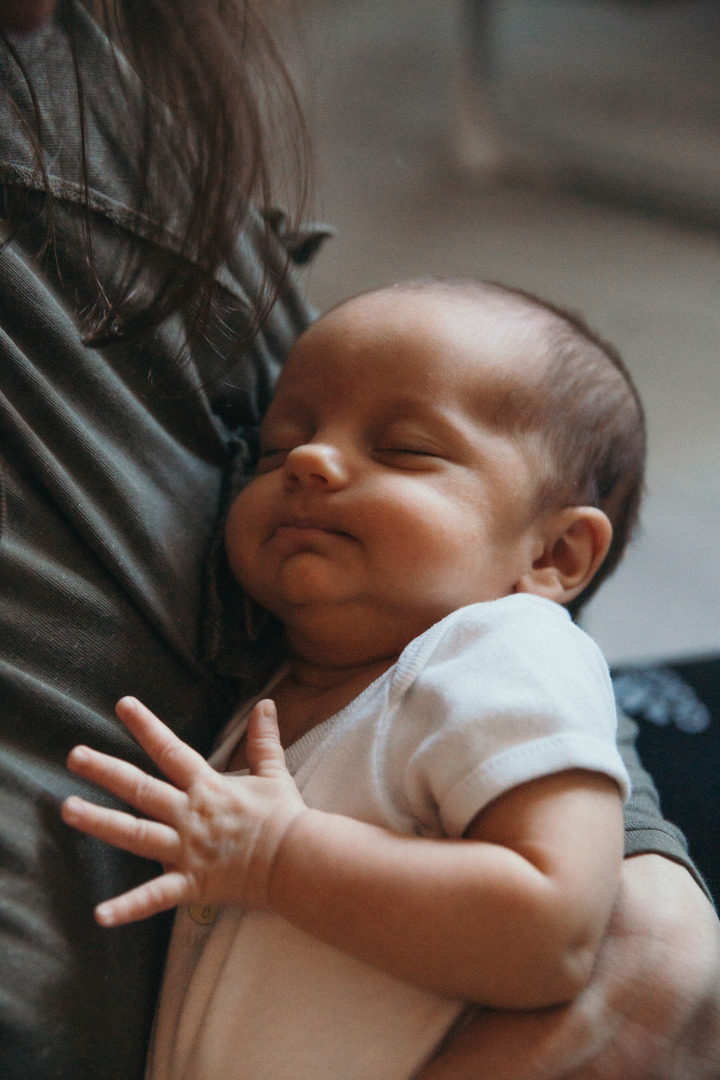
(216, 836)
(651, 1011)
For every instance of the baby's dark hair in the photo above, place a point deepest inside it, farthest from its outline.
(592, 420)
(585, 410)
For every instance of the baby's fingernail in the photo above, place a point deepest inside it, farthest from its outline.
(72, 806)
(103, 915)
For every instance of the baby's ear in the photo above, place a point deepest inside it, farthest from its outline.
(573, 542)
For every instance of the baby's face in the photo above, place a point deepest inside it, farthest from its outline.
(387, 495)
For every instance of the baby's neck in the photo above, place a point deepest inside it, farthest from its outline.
(311, 693)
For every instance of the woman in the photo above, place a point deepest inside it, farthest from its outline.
(135, 275)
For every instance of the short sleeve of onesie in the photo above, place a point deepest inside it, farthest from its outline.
(495, 695)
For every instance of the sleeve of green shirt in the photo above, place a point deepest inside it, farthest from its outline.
(646, 831)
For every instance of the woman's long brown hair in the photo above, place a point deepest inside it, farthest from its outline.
(212, 88)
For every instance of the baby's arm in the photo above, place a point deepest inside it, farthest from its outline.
(510, 916)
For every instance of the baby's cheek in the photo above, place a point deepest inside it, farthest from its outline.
(242, 533)
(428, 525)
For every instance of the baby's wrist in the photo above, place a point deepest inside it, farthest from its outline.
(293, 855)
(274, 836)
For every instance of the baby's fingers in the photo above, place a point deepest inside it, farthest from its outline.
(178, 761)
(149, 839)
(264, 750)
(151, 797)
(160, 894)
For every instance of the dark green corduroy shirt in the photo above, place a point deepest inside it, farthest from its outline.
(112, 467)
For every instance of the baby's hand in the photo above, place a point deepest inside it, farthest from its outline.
(216, 836)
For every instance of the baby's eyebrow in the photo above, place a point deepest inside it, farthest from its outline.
(415, 407)
(419, 414)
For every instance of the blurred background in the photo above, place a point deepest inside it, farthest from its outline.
(570, 147)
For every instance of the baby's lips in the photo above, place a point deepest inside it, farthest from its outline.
(313, 522)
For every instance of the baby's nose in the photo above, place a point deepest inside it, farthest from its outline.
(315, 463)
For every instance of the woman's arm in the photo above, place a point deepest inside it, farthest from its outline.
(512, 915)
(651, 1010)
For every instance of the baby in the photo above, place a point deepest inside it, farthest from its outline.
(446, 469)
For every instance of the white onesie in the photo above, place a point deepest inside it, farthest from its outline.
(494, 695)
